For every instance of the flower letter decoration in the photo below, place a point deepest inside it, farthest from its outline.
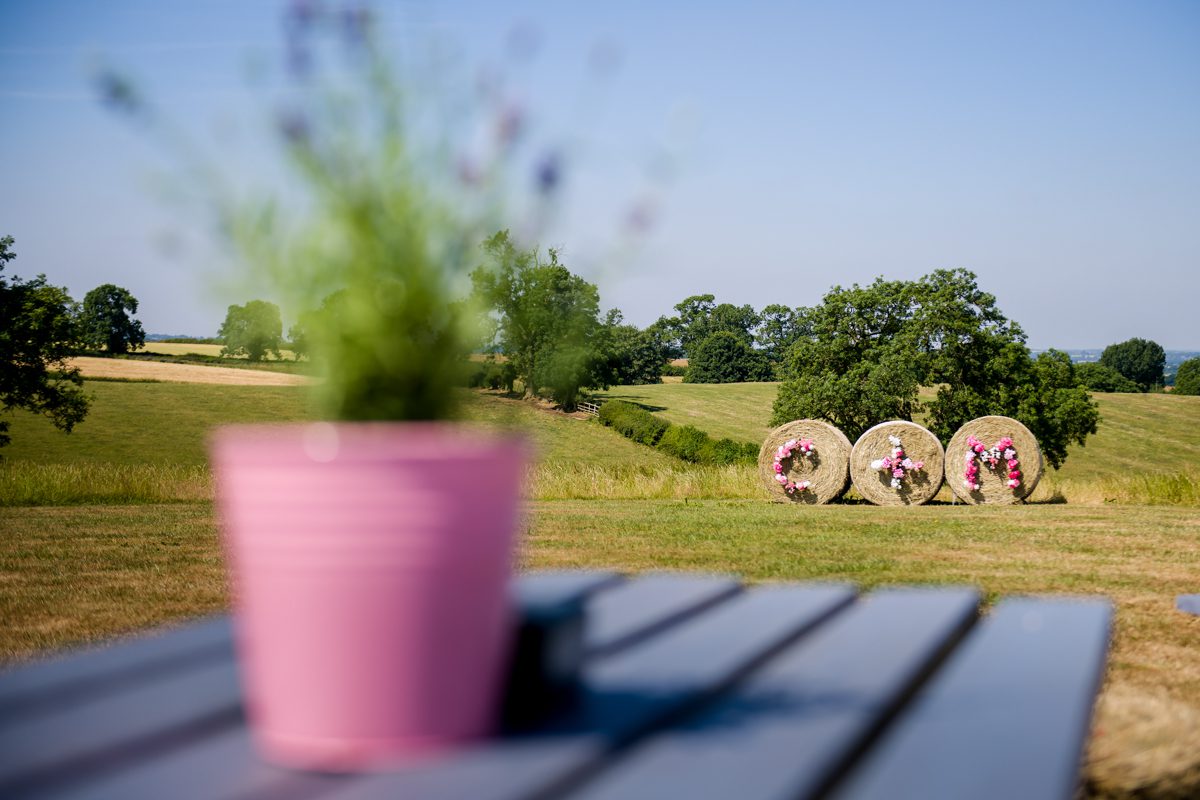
(1002, 456)
(898, 464)
(798, 447)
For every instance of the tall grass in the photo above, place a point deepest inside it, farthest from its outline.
(1141, 489)
(586, 481)
(24, 483)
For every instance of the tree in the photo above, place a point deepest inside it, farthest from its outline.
(871, 348)
(859, 364)
(545, 320)
(1140, 360)
(779, 328)
(724, 357)
(38, 331)
(1187, 377)
(106, 321)
(1099, 378)
(631, 356)
(253, 330)
(699, 316)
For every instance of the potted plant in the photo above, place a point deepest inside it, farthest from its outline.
(369, 553)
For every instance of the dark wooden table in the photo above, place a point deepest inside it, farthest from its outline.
(693, 687)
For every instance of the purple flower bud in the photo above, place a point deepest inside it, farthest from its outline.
(548, 173)
(356, 25)
(509, 125)
(294, 127)
(117, 92)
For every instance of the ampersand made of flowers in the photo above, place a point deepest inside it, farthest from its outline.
(1001, 451)
(803, 447)
(897, 463)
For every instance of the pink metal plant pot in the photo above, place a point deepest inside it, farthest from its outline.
(370, 566)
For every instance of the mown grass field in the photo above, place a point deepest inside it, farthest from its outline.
(111, 529)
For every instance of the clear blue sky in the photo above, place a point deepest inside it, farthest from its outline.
(1051, 147)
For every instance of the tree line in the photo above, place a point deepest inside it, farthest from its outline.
(858, 357)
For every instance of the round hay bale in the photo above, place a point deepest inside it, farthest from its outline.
(827, 468)
(876, 484)
(993, 482)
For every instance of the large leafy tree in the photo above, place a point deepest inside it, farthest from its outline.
(871, 348)
(38, 331)
(545, 320)
(106, 319)
(857, 366)
(1187, 377)
(1140, 360)
(778, 329)
(699, 316)
(724, 357)
(252, 330)
(1099, 378)
(631, 355)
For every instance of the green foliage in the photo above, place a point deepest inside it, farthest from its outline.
(859, 366)
(699, 316)
(369, 207)
(38, 332)
(631, 356)
(1140, 360)
(545, 320)
(672, 370)
(870, 349)
(633, 422)
(1099, 378)
(724, 357)
(685, 442)
(1187, 377)
(492, 374)
(252, 330)
(105, 320)
(689, 443)
(779, 328)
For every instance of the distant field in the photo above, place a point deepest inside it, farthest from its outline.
(180, 349)
(135, 369)
(149, 423)
(155, 423)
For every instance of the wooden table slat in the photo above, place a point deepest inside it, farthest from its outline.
(74, 741)
(559, 586)
(73, 677)
(1009, 717)
(618, 618)
(625, 695)
(785, 731)
(627, 609)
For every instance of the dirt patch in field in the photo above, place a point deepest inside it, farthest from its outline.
(183, 373)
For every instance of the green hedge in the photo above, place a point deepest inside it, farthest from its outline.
(685, 442)
(633, 422)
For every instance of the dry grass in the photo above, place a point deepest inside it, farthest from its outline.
(182, 373)
(1144, 744)
(74, 574)
(185, 348)
(82, 574)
